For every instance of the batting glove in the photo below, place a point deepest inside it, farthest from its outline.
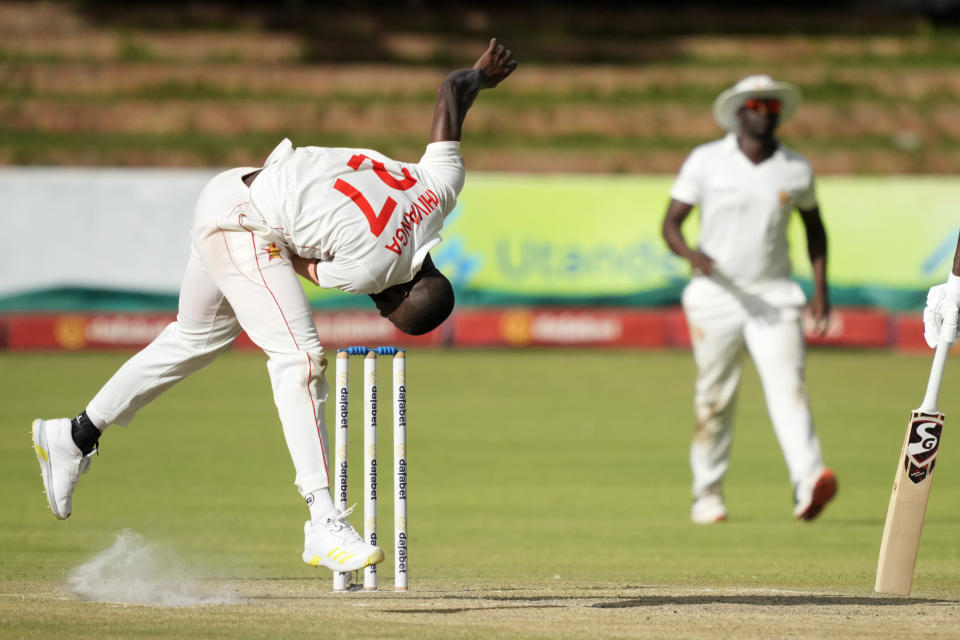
(940, 314)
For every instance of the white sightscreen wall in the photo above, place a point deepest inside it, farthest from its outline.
(122, 229)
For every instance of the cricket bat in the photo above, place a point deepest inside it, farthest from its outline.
(911, 486)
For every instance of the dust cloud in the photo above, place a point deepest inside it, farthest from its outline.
(134, 571)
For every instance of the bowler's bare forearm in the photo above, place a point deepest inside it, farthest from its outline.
(454, 98)
(460, 88)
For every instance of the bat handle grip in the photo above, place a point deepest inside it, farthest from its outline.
(947, 330)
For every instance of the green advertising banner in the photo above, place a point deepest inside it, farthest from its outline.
(562, 238)
(596, 240)
(890, 238)
(513, 239)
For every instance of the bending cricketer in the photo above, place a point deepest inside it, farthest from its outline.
(747, 185)
(350, 219)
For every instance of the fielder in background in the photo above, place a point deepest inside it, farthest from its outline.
(351, 219)
(940, 298)
(742, 296)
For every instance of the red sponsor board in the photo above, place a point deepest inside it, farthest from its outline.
(848, 327)
(135, 331)
(909, 333)
(521, 327)
(84, 331)
(857, 328)
(678, 333)
(469, 327)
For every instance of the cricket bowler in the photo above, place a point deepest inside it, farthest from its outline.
(351, 219)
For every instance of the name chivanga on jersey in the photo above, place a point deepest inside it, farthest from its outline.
(425, 204)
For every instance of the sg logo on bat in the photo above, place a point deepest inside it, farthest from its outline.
(923, 444)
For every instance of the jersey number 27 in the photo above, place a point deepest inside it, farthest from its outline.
(377, 221)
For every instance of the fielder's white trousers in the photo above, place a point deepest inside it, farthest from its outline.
(235, 280)
(723, 321)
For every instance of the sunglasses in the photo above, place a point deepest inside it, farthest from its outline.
(764, 106)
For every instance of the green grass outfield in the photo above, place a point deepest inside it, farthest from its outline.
(548, 498)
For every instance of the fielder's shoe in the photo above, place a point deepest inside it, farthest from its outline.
(814, 493)
(708, 508)
(333, 543)
(61, 463)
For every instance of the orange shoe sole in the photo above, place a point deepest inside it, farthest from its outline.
(823, 492)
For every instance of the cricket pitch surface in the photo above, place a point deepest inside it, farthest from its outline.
(291, 607)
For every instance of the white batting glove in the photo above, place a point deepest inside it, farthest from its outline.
(940, 314)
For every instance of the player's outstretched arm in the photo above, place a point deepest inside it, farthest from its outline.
(460, 88)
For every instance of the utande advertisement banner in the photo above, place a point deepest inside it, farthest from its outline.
(468, 327)
(513, 240)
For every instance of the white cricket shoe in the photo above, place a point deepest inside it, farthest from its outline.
(708, 509)
(61, 463)
(333, 543)
(814, 493)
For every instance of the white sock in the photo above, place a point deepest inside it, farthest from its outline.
(320, 503)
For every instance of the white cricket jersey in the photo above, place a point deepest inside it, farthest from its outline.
(745, 208)
(369, 220)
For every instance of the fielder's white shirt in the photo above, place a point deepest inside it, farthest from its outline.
(745, 207)
(369, 220)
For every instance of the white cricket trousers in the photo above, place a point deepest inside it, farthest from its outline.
(721, 326)
(235, 280)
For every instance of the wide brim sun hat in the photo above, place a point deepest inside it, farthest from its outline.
(761, 87)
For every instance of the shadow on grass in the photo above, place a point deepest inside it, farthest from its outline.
(467, 598)
(564, 602)
(769, 601)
